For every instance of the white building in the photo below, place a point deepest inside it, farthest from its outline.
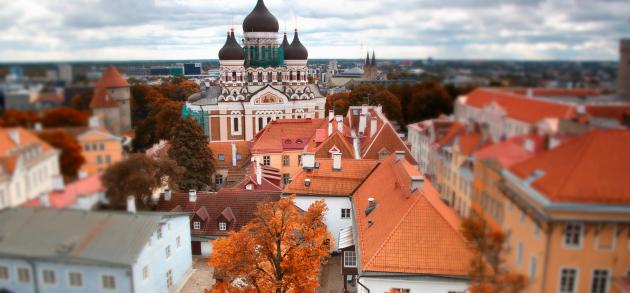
(421, 136)
(29, 167)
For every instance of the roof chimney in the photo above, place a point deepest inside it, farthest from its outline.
(38, 126)
(336, 156)
(258, 173)
(417, 183)
(339, 120)
(192, 195)
(371, 206)
(373, 126)
(14, 134)
(94, 122)
(167, 195)
(400, 155)
(307, 182)
(364, 109)
(330, 128)
(308, 160)
(131, 204)
(45, 200)
(528, 145)
(362, 123)
(331, 115)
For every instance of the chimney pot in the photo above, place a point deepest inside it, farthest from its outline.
(307, 182)
(373, 126)
(331, 115)
(308, 160)
(167, 195)
(192, 195)
(131, 204)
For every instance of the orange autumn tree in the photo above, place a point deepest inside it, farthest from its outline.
(280, 250)
(488, 271)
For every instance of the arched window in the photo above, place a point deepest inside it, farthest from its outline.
(268, 119)
(298, 76)
(235, 124)
(260, 123)
(260, 77)
(250, 77)
(233, 75)
(269, 77)
(279, 76)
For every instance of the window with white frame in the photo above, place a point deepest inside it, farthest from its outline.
(345, 213)
(222, 226)
(108, 282)
(599, 283)
(75, 279)
(178, 241)
(532, 267)
(519, 253)
(568, 277)
(350, 259)
(573, 235)
(168, 251)
(48, 276)
(4, 273)
(196, 225)
(145, 272)
(266, 160)
(24, 275)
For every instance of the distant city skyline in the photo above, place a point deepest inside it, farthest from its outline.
(86, 30)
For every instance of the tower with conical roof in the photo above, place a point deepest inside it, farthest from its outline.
(261, 79)
(111, 101)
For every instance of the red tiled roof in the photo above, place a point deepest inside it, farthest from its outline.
(111, 78)
(511, 151)
(243, 205)
(450, 135)
(616, 112)
(554, 92)
(102, 100)
(326, 181)
(592, 168)
(408, 231)
(386, 138)
(275, 135)
(519, 107)
(225, 148)
(26, 137)
(336, 139)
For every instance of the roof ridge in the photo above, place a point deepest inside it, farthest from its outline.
(391, 233)
(582, 149)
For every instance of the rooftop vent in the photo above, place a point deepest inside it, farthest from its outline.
(192, 195)
(371, 206)
(417, 183)
(307, 182)
(400, 155)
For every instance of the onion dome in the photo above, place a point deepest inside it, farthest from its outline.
(260, 20)
(296, 50)
(231, 50)
(285, 42)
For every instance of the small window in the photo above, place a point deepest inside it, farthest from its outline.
(4, 273)
(24, 275)
(48, 276)
(599, 283)
(169, 279)
(285, 160)
(345, 213)
(266, 160)
(108, 282)
(99, 159)
(286, 179)
(108, 159)
(519, 253)
(168, 251)
(238, 156)
(532, 267)
(350, 259)
(222, 226)
(221, 157)
(76, 279)
(573, 235)
(218, 179)
(145, 272)
(101, 147)
(86, 147)
(159, 232)
(178, 241)
(567, 280)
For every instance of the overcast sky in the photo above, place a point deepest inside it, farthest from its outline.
(52, 30)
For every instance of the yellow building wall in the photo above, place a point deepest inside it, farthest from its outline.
(276, 161)
(95, 146)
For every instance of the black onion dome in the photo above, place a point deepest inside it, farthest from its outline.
(260, 20)
(296, 50)
(285, 42)
(231, 50)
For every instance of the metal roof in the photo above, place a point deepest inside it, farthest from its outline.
(115, 238)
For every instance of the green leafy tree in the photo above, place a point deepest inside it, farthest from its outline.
(189, 148)
(139, 176)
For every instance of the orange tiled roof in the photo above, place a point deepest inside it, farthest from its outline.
(336, 139)
(410, 232)
(617, 112)
(111, 78)
(102, 100)
(511, 151)
(386, 138)
(450, 135)
(225, 148)
(275, 135)
(520, 107)
(592, 168)
(326, 181)
(555, 92)
(26, 137)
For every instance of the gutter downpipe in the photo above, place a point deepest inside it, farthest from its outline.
(547, 252)
(35, 279)
(359, 282)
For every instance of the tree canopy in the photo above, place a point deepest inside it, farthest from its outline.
(488, 271)
(280, 250)
(139, 176)
(189, 148)
(13, 118)
(154, 116)
(65, 117)
(71, 158)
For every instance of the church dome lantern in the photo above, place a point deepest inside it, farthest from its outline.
(296, 51)
(260, 20)
(231, 50)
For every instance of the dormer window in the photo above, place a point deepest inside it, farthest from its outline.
(249, 186)
(196, 225)
(222, 226)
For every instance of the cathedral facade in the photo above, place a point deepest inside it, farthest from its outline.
(261, 80)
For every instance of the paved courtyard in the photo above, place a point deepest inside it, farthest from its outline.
(200, 278)
(330, 278)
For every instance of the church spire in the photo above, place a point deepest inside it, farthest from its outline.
(373, 58)
(367, 59)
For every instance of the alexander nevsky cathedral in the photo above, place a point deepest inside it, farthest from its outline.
(261, 80)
